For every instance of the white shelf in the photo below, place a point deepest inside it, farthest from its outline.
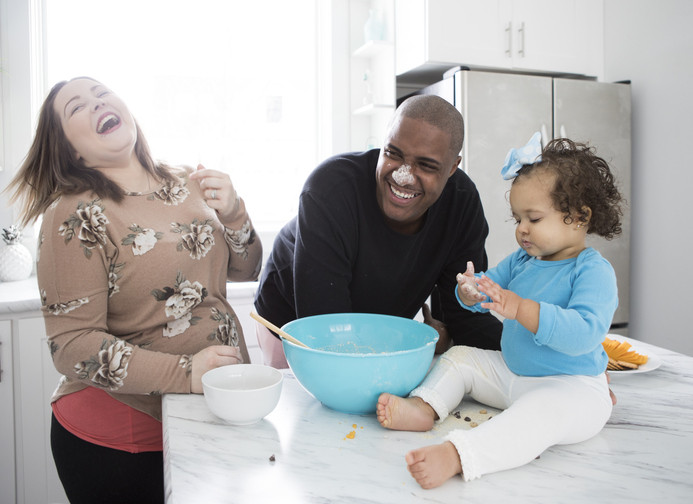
(373, 108)
(372, 81)
(373, 48)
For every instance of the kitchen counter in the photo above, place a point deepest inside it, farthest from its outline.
(21, 296)
(644, 454)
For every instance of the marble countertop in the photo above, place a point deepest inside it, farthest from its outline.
(644, 454)
(19, 297)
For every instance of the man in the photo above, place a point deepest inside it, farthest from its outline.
(381, 231)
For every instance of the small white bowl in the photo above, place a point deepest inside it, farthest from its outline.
(242, 394)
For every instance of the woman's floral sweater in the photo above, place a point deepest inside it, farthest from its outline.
(131, 290)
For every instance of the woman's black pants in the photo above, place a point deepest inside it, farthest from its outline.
(95, 474)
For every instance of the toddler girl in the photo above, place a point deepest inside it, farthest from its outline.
(557, 297)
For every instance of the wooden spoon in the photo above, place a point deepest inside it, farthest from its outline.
(269, 325)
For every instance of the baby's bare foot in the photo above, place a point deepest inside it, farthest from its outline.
(431, 466)
(400, 413)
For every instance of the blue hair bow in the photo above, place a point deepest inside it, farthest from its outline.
(517, 158)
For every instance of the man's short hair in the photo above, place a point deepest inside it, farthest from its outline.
(437, 112)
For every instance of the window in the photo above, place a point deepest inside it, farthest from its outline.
(231, 85)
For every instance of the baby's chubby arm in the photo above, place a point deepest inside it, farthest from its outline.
(467, 290)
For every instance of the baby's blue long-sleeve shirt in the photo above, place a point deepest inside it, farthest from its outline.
(577, 298)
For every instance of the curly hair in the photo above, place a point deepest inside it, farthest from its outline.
(583, 180)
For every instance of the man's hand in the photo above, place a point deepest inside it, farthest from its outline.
(611, 392)
(443, 336)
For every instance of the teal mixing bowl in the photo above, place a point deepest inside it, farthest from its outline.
(354, 357)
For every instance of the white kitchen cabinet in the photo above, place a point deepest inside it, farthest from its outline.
(7, 472)
(371, 71)
(28, 474)
(552, 36)
(35, 381)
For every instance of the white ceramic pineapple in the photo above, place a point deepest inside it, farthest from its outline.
(16, 262)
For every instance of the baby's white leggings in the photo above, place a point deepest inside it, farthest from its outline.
(539, 411)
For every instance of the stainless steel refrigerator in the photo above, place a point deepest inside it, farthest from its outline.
(504, 110)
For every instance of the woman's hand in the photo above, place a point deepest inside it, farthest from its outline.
(466, 287)
(218, 192)
(210, 358)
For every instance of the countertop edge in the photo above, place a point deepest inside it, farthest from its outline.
(23, 296)
(19, 297)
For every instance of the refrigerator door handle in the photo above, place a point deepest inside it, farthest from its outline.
(544, 136)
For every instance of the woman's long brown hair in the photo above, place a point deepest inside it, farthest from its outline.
(51, 168)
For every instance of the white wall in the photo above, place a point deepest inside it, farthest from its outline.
(650, 42)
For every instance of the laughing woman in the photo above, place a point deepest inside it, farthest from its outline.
(132, 265)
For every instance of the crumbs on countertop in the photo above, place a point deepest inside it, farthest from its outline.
(352, 434)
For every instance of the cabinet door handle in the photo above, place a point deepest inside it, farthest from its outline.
(521, 33)
(509, 39)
